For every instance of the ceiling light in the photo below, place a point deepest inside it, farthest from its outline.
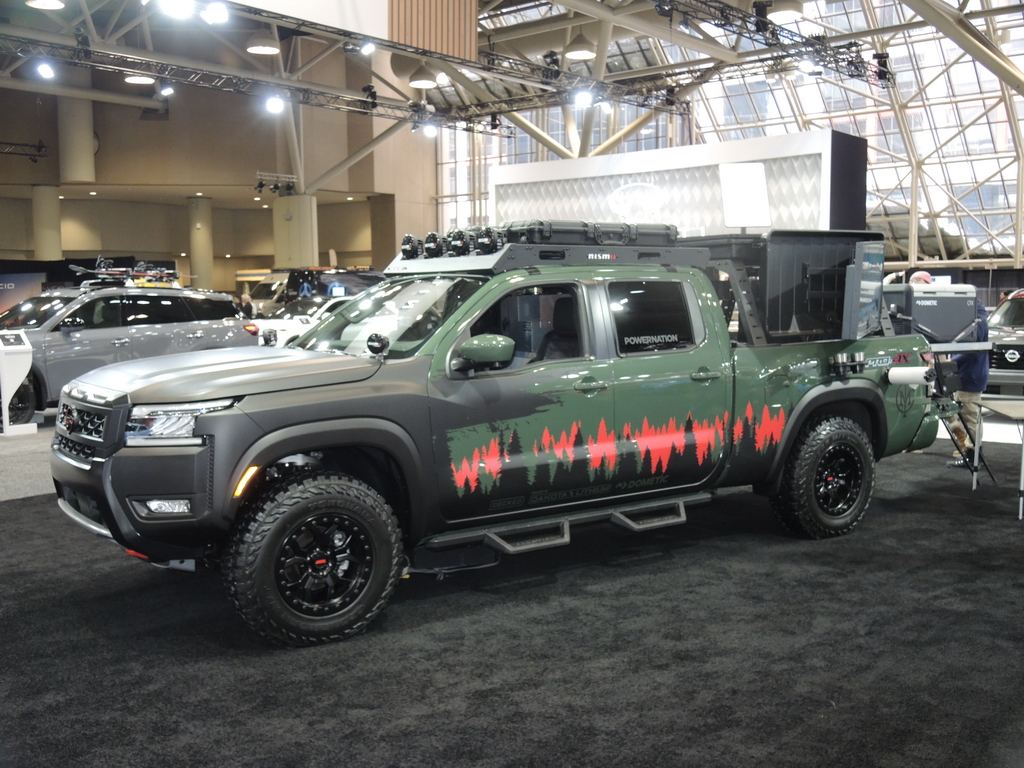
(257, 198)
(583, 99)
(443, 79)
(215, 13)
(139, 79)
(430, 131)
(265, 205)
(349, 198)
(786, 11)
(422, 78)
(367, 48)
(45, 70)
(92, 193)
(178, 9)
(581, 49)
(60, 197)
(275, 104)
(263, 43)
(166, 88)
(45, 5)
(227, 255)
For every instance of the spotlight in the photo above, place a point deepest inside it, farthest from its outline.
(275, 104)
(670, 97)
(663, 8)
(583, 99)
(885, 75)
(495, 123)
(371, 94)
(139, 79)
(260, 185)
(166, 88)
(45, 70)
(443, 79)
(289, 189)
(275, 187)
(551, 59)
(215, 13)
(367, 48)
(178, 9)
(430, 131)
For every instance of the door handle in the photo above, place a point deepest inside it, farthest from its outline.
(119, 342)
(703, 374)
(590, 386)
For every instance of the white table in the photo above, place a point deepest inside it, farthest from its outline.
(1013, 410)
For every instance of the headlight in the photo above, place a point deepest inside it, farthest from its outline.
(168, 424)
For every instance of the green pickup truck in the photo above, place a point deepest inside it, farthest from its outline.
(479, 405)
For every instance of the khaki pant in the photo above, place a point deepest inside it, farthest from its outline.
(970, 407)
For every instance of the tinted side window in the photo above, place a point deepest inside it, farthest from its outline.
(211, 309)
(151, 310)
(100, 313)
(649, 315)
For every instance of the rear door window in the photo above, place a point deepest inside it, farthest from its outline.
(650, 316)
(211, 309)
(156, 310)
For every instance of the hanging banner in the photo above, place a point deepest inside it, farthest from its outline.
(18, 287)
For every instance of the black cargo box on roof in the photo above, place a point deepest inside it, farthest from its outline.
(540, 232)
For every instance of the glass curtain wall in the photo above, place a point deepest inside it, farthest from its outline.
(945, 154)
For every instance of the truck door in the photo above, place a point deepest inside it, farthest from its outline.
(672, 385)
(524, 437)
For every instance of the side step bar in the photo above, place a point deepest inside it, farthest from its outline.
(520, 536)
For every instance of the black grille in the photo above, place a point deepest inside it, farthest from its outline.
(78, 450)
(999, 359)
(81, 422)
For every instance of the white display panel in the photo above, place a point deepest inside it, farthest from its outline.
(368, 18)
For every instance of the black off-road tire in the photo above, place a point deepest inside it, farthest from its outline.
(23, 405)
(313, 560)
(828, 479)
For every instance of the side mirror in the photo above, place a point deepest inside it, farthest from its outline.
(488, 350)
(72, 323)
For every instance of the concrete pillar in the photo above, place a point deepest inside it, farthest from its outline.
(200, 240)
(46, 224)
(76, 141)
(296, 240)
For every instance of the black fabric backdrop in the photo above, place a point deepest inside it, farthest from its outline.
(723, 642)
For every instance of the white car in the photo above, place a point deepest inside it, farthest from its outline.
(286, 324)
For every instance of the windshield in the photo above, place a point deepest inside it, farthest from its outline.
(32, 312)
(297, 308)
(266, 290)
(408, 311)
(1009, 314)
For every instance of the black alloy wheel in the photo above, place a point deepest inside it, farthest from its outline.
(323, 564)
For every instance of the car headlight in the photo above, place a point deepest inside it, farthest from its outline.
(168, 424)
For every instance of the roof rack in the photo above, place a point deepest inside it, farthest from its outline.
(544, 243)
(143, 274)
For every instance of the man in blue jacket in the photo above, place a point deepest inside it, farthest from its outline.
(973, 370)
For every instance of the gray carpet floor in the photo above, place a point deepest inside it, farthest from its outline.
(724, 642)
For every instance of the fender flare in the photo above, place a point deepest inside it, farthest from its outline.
(364, 432)
(861, 391)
